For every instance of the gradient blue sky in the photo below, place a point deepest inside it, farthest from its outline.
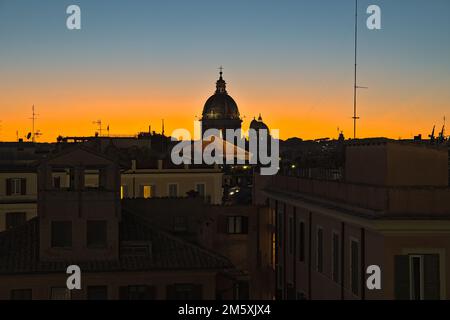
(135, 62)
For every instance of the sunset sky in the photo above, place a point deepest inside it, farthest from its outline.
(136, 62)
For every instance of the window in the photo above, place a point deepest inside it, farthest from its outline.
(200, 188)
(319, 259)
(291, 235)
(137, 292)
(301, 245)
(354, 266)
(96, 234)
(237, 225)
(173, 190)
(417, 277)
(16, 186)
(148, 192)
(61, 234)
(60, 293)
(92, 178)
(184, 292)
(335, 257)
(97, 293)
(15, 219)
(21, 294)
(180, 224)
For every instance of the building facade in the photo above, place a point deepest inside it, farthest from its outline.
(392, 210)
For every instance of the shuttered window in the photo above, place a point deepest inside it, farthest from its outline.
(335, 257)
(417, 277)
(354, 267)
(319, 252)
(237, 225)
(16, 186)
(301, 245)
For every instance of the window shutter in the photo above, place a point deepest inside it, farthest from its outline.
(401, 274)
(432, 289)
(23, 186)
(8, 187)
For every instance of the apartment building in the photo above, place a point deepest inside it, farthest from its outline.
(391, 210)
(149, 178)
(161, 179)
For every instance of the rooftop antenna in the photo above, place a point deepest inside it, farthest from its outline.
(33, 119)
(99, 123)
(162, 127)
(355, 83)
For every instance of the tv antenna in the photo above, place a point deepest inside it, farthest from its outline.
(33, 120)
(99, 124)
(355, 83)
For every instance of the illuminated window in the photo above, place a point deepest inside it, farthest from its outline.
(148, 192)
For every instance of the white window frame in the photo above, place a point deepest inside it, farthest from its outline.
(16, 186)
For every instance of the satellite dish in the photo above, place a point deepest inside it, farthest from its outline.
(29, 135)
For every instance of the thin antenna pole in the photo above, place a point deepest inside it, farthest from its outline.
(355, 87)
(33, 118)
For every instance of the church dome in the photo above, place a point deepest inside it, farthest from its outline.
(220, 106)
(258, 124)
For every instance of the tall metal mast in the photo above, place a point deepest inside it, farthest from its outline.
(33, 119)
(355, 86)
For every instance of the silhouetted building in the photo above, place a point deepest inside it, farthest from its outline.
(221, 111)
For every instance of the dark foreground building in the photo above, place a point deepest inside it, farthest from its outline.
(121, 256)
(391, 209)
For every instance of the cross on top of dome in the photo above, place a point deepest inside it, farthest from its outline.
(221, 85)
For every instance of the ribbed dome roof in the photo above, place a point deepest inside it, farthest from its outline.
(221, 105)
(258, 124)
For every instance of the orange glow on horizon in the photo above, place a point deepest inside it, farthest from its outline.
(129, 109)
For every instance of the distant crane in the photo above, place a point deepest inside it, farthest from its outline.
(442, 138)
(431, 136)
